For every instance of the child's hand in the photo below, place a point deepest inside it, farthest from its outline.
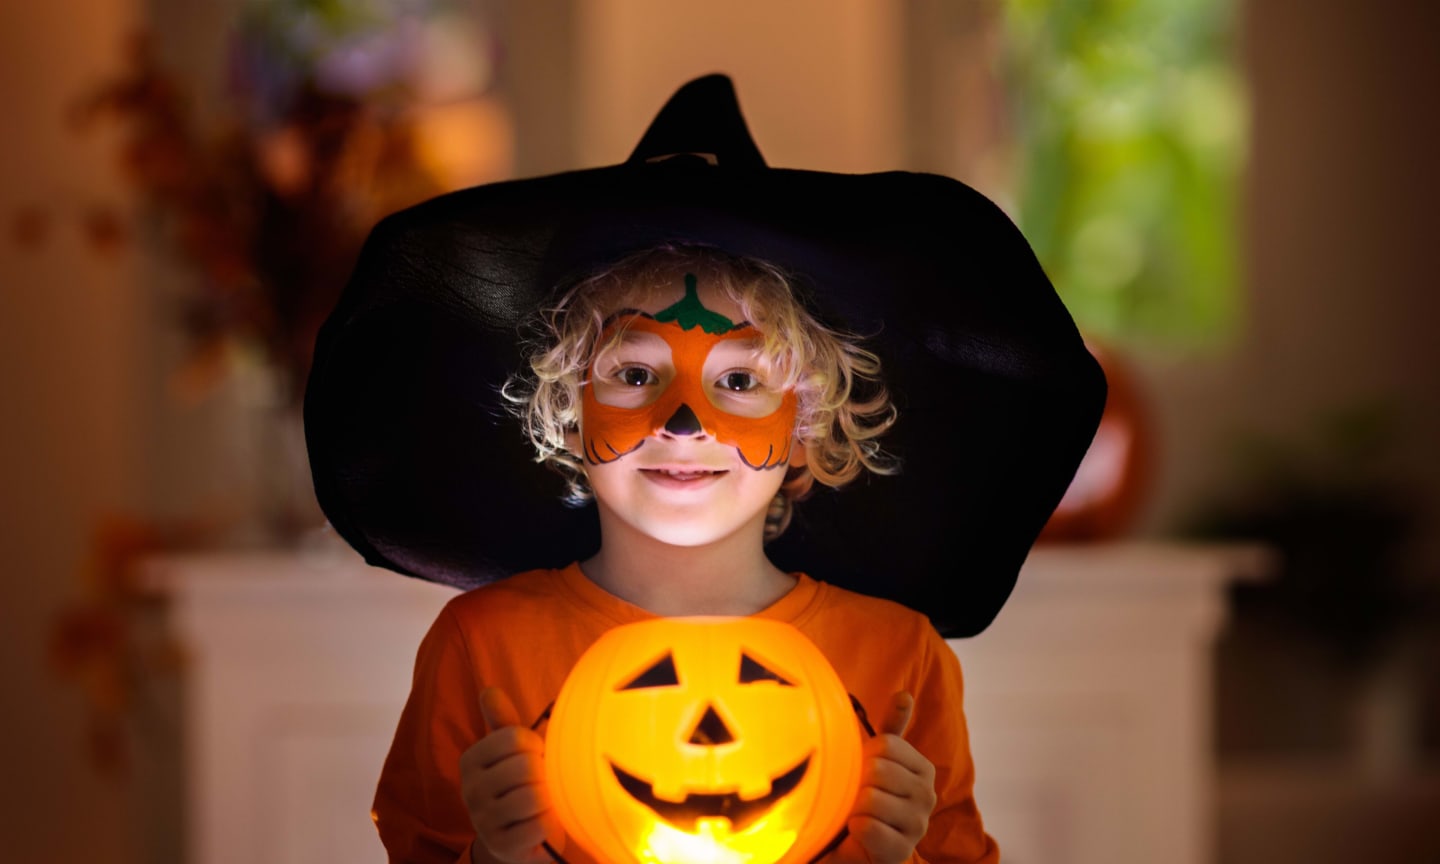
(897, 793)
(502, 780)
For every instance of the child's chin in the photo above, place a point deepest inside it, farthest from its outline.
(683, 533)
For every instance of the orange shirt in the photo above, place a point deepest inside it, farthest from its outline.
(524, 633)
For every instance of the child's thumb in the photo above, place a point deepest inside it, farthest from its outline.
(497, 709)
(897, 714)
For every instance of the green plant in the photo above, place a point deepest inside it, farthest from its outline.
(1130, 119)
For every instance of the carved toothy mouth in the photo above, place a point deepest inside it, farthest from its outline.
(728, 805)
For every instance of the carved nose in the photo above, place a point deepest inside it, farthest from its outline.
(684, 422)
(711, 729)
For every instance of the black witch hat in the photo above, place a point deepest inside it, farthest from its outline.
(419, 466)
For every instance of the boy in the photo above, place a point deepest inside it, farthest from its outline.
(693, 394)
(751, 390)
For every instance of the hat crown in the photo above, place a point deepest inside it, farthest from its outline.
(702, 119)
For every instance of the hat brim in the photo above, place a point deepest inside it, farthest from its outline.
(418, 465)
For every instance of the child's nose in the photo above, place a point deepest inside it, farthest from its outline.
(683, 423)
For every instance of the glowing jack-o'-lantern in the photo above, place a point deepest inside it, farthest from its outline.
(714, 740)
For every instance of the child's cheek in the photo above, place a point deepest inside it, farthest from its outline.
(609, 431)
(763, 442)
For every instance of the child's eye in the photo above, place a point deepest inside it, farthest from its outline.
(740, 382)
(637, 376)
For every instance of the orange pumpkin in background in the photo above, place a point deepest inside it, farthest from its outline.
(704, 741)
(1104, 498)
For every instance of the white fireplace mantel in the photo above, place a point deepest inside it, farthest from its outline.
(1088, 701)
(1090, 708)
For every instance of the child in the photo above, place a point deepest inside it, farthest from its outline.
(692, 393)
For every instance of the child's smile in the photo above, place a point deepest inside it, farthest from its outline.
(690, 492)
(682, 476)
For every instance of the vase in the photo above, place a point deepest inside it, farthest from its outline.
(293, 513)
(273, 502)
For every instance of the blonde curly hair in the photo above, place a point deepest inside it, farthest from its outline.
(843, 408)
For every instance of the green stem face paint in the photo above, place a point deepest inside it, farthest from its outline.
(689, 313)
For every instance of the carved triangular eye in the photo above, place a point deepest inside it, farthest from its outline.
(751, 670)
(662, 674)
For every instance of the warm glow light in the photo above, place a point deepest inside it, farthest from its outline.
(714, 844)
(703, 741)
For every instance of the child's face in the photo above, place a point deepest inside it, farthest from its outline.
(683, 436)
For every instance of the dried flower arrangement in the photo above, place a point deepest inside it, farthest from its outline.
(267, 216)
(266, 209)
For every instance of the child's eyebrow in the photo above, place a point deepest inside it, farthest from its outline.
(630, 338)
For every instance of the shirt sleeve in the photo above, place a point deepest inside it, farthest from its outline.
(956, 834)
(418, 809)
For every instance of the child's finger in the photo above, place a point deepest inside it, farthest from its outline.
(897, 714)
(497, 709)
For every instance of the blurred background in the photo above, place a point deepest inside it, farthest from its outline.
(1234, 197)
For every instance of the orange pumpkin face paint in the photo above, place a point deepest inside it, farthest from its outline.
(683, 338)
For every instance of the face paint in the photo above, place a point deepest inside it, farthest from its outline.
(681, 339)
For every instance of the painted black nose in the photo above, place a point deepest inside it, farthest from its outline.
(684, 422)
(711, 730)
